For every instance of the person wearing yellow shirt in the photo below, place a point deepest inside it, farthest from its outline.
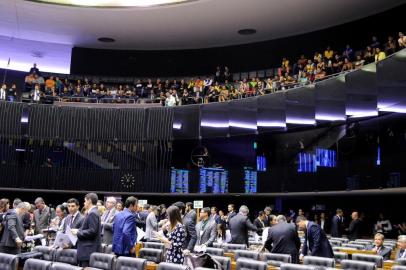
(379, 55)
(328, 53)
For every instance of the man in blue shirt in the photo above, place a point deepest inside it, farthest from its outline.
(125, 230)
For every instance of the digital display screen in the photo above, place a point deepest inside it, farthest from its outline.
(261, 163)
(179, 181)
(213, 180)
(306, 163)
(326, 158)
(250, 180)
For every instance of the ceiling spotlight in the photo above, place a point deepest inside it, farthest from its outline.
(246, 32)
(106, 39)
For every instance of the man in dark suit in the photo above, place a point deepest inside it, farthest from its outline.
(231, 213)
(379, 247)
(189, 222)
(402, 247)
(337, 224)
(239, 226)
(259, 222)
(26, 219)
(354, 230)
(42, 215)
(214, 216)
(124, 238)
(283, 239)
(13, 234)
(75, 219)
(268, 213)
(315, 239)
(206, 229)
(107, 220)
(89, 237)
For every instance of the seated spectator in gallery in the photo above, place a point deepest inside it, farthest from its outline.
(49, 83)
(303, 78)
(212, 95)
(185, 97)
(233, 92)
(174, 93)
(379, 247)
(224, 95)
(198, 87)
(390, 46)
(348, 53)
(12, 93)
(38, 80)
(402, 41)
(379, 55)
(170, 100)
(347, 65)
(359, 62)
(260, 88)
(65, 94)
(3, 92)
(337, 64)
(328, 53)
(319, 74)
(36, 94)
(309, 68)
(34, 70)
(252, 87)
(369, 55)
(206, 84)
(285, 68)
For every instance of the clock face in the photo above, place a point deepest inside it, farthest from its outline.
(127, 180)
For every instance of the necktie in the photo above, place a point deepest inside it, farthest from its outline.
(71, 221)
(107, 216)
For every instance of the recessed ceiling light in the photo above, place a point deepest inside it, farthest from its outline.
(106, 39)
(246, 32)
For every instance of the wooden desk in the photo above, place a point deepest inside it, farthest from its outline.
(234, 266)
(151, 266)
(353, 251)
(138, 246)
(230, 255)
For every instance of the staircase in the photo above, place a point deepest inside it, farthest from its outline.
(91, 156)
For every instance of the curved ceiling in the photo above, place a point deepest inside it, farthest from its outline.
(196, 24)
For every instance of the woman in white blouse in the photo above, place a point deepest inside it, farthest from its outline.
(223, 235)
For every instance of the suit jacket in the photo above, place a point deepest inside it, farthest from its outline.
(316, 241)
(151, 225)
(260, 226)
(189, 222)
(13, 229)
(77, 223)
(283, 239)
(206, 235)
(239, 226)
(383, 251)
(107, 227)
(401, 254)
(336, 226)
(216, 218)
(141, 219)
(124, 238)
(230, 216)
(354, 230)
(89, 237)
(42, 220)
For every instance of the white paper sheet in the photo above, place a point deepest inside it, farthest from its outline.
(61, 240)
(73, 238)
(140, 234)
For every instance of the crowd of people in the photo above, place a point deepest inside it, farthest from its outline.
(217, 88)
(121, 224)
